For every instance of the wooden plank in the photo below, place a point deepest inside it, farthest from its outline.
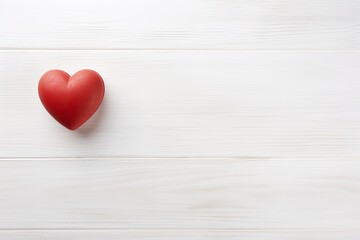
(181, 24)
(201, 104)
(177, 235)
(160, 194)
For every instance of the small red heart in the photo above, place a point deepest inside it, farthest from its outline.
(71, 100)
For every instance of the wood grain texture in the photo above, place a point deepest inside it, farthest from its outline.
(180, 194)
(178, 235)
(222, 119)
(182, 24)
(192, 104)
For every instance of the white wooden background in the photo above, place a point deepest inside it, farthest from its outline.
(222, 119)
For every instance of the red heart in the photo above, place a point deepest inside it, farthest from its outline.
(71, 100)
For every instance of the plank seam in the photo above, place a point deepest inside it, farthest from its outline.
(175, 50)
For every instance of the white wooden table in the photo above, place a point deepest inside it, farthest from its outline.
(221, 120)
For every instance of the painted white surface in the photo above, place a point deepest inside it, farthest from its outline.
(181, 24)
(221, 120)
(181, 193)
(178, 235)
(193, 104)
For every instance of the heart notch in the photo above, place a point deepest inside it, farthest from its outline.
(71, 100)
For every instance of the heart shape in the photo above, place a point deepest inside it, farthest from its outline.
(71, 100)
